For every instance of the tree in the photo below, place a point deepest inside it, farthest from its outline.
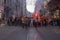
(54, 5)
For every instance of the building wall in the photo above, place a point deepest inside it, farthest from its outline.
(1, 4)
(16, 7)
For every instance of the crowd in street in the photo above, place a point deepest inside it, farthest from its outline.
(30, 21)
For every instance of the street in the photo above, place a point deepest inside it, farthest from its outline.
(29, 19)
(32, 33)
(12, 33)
(49, 33)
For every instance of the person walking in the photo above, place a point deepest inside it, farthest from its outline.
(0, 17)
(23, 23)
(31, 24)
(26, 22)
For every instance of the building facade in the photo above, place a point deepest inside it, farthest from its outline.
(17, 7)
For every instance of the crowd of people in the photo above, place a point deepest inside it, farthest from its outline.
(30, 21)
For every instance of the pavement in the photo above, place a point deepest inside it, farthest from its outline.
(12, 33)
(32, 33)
(49, 32)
